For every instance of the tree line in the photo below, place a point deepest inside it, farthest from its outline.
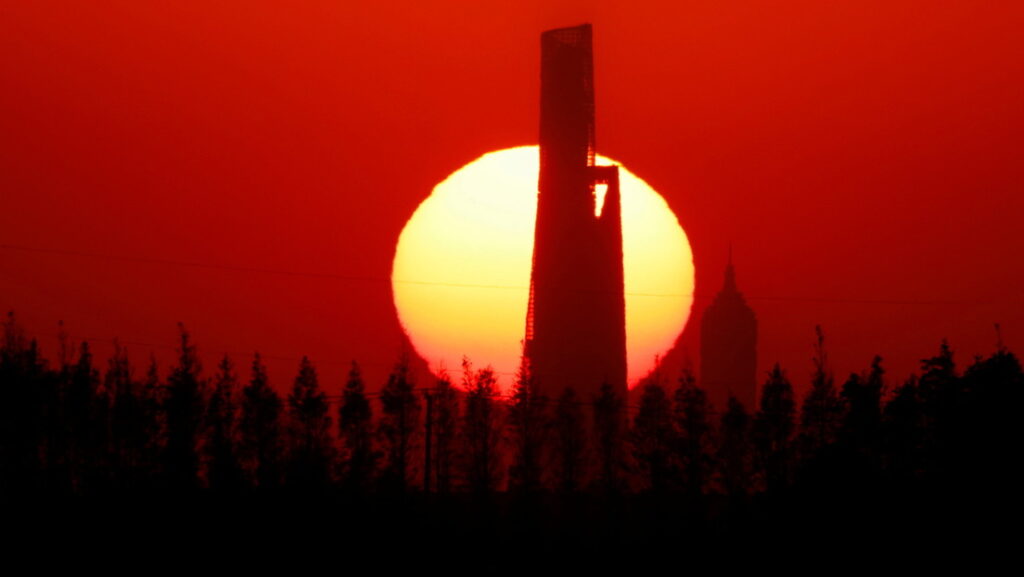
(79, 426)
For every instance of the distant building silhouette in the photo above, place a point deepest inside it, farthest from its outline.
(576, 322)
(728, 346)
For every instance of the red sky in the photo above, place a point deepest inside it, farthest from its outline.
(863, 158)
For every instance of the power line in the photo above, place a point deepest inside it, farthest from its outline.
(379, 279)
(310, 274)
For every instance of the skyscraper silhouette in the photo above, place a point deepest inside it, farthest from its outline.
(728, 346)
(576, 321)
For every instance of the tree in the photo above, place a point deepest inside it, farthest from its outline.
(260, 428)
(224, 473)
(22, 374)
(310, 453)
(570, 439)
(399, 425)
(184, 410)
(444, 430)
(82, 398)
(355, 418)
(480, 429)
(820, 412)
(692, 413)
(153, 396)
(653, 437)
(942, 397)
(734, 455)
(773, 430)
(861, 398)
(127, 420)
(990, 426)
(528, 425)
(609, 422)
(902, 433)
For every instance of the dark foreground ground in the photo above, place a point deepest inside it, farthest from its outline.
(871, 530)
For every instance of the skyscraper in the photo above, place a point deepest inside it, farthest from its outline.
(576, 321)
(728, 346)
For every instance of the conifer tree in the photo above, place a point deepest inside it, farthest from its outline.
(355, 420)
(990, 427)
(399, 427)
(481, 425)
(861, 398)
(127, 420)
(692, 414)
(570, 442)
(903, 426)
(153, 396)
(820, 412)
(528, 425)
(260, 428)
(773, 430)
(653, 437)
(734, 454)
(941, 396)
(445, 431)
(184, 410)
(310, 447)
(21, 373)
(79, 406)
(224, 472)
(608, 426)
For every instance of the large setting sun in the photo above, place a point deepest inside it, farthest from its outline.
(461, 272)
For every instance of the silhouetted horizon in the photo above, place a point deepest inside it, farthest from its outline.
(921, 459)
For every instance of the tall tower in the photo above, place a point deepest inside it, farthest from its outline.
(576, 321)
(728, 346)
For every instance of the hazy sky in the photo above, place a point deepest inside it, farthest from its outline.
(863, 158)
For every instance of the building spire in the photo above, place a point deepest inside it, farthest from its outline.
(730, 275)
(728, 346)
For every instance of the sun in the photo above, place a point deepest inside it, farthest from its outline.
(461, 273)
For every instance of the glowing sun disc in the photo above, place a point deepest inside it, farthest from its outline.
(461, 273)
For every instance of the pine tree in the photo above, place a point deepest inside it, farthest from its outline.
(310, 447)
(481, 425)
(773, 430)
(224, 472)
(355, 419)
(79, 406)
(861, 398)
(184, 409)
(903, 433)
(653, 437)
(127, 420)
(260, 428)
(22, 373)
(941, 395)
(734, 454)
(570, 442)
(445, 431)
(399, 427)
(692, 414)
(153, 396)
(528, 426)
(608, 426)
(990, 427)
(820, 412)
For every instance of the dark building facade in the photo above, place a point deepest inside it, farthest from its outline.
(576, 320)
(728, 347)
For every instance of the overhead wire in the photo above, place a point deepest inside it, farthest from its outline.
(380, 279)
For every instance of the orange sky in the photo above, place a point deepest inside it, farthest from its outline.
(862, 157)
